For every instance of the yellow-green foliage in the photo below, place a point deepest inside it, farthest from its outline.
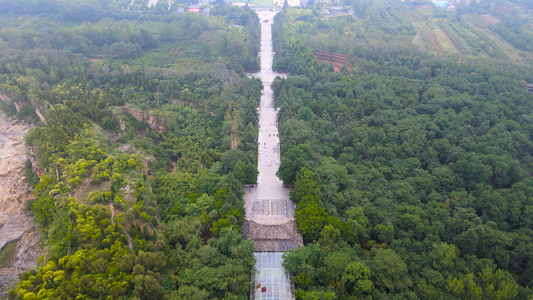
(112, 166)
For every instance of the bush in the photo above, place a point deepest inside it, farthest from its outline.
(30, 177)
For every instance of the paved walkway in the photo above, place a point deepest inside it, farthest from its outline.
(269, 217)
(270, 190)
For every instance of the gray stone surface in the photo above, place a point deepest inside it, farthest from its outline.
(269, 212)
(272, 234)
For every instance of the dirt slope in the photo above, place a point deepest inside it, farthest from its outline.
(15, 224)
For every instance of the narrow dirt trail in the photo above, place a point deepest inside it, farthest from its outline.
(112, 211)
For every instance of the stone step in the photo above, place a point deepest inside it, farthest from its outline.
(272, 234)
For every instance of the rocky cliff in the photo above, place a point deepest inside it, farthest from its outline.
(157, 123)
(15, 224)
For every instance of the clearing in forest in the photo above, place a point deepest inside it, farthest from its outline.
(426, 39)
(443, 39)
(513, 53)
(489, 19)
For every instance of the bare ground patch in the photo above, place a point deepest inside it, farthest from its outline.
(15, 224)
(489, 19)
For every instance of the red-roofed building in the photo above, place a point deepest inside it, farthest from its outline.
(194, 8)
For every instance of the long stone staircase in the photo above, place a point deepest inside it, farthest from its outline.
(269, 220)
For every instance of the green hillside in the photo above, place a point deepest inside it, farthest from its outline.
(411, 157)
(408, 141)
(146, 133)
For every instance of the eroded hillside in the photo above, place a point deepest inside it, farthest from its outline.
(15, 224)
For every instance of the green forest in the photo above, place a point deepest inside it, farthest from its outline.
(411, 162)
(145, 131)
(412, 170)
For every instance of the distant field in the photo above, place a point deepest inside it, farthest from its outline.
(497, 42)
(489, 19)
(443, 40)
(433, 32)
(476, 20)
(426, 39)
(471, 36)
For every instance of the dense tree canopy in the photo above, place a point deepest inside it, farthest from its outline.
(145, 129)
(412, 172)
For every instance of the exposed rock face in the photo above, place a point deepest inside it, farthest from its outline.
(157, 123)
(17, 105)
(14, 192)
(38, 112)
(40, 116)
(121, 124)
(32, 151)
(5, 98)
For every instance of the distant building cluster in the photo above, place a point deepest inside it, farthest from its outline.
(203, 8)
(195, 9)
(335, 11)
(444, 4)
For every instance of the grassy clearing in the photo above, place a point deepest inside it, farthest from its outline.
(426, 38)
(458, 41)
(443, 40)
(489, 19)
(419, 39)
(476, 20)
(7, 254)
(499, 47)
(471, 36)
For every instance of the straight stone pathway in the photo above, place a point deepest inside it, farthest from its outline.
(267, 203)
(269, 220)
